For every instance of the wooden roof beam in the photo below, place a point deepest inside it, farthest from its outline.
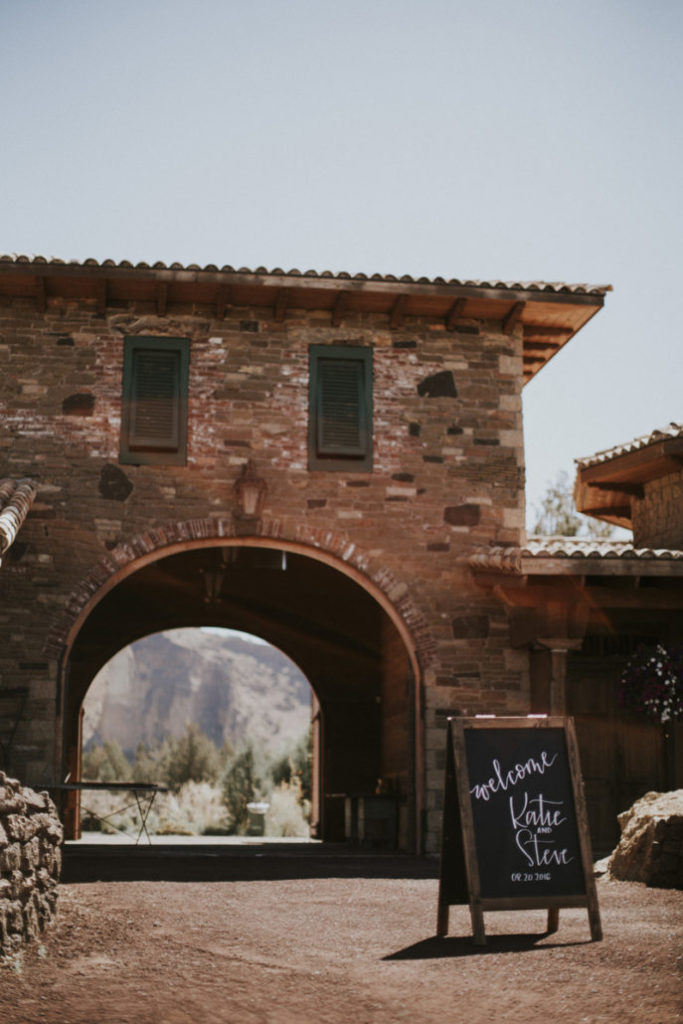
(541, 346)
(281, 303)
(635, 490)
(539, 331)
(101, 296)
(340, 307)
(162, 298)
(455, 313)
(513, 317)
(222, 301)
(398, 311)
(622, 512)
(532, 366)
(41, 295)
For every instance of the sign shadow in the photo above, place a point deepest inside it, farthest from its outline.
(439, 947)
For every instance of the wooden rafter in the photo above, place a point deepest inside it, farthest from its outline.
(281, 303)
(539, 331)
(101, 295)
(635, 490)
(162, 298)
(222, 301)
(532, 366)
(548, 308)
(513, 317)
(455, 313)
(541, 346)
(41, 295)
(398, 311)
(341, 305)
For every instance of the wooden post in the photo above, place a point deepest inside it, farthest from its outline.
(559, 648)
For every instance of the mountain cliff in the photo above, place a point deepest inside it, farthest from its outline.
(235, 688)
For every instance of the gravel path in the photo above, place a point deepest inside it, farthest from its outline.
(340, 950)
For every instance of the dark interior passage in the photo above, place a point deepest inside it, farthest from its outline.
(337, 633)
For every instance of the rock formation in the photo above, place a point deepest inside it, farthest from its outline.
(651, 846)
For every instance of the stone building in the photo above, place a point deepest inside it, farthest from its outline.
(332, 462)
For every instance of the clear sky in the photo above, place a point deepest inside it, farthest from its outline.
(526, 140)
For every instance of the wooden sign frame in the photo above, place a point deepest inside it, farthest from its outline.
(460, 878)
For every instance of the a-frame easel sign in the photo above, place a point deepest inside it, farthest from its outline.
(515, 831)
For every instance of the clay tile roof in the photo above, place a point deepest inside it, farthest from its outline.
(16, 498)
(497, 559)
(671, 431)
(546, 314)
(579, 547)
(556, 287)
(573, 549)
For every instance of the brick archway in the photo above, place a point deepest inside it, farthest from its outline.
(325, 545)
(147, 552)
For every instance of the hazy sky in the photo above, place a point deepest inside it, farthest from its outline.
(494, 140)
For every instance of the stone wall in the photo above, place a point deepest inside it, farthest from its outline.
(657, 519)
(447, 477)
(30, 863)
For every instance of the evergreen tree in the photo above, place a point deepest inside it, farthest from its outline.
(148, 764)
(192, 757)
(241, 785)
(106, 763)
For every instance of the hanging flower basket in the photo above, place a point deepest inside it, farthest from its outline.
(652, 683)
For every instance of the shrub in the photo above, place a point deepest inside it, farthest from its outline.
(287, 813)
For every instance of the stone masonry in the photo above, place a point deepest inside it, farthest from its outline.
(447, 479)
(30, 863)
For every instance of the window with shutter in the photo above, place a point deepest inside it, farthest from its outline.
(340, 408)
(154, 407)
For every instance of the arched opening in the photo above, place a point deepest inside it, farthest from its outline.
(344, 638)
(219, 718)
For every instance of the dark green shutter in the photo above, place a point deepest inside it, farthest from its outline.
(342, 429)
(340, 435)
(155, 395)
(154, 411)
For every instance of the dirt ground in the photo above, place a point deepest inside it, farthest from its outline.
(340, 946)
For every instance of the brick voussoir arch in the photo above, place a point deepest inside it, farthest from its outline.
(336, 549)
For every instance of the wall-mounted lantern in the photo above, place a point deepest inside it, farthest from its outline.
(250, 491)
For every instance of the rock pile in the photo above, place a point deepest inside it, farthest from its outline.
(651, 846)
(30, 863)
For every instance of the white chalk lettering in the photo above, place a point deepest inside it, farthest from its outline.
(506, 779)
(536, 813)
(530, 846)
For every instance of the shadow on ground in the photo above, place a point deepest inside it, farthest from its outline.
(196, 863)
(438, 948)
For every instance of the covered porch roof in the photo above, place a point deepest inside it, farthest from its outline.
(607, 482)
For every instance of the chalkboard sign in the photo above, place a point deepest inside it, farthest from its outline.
(515, 833)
